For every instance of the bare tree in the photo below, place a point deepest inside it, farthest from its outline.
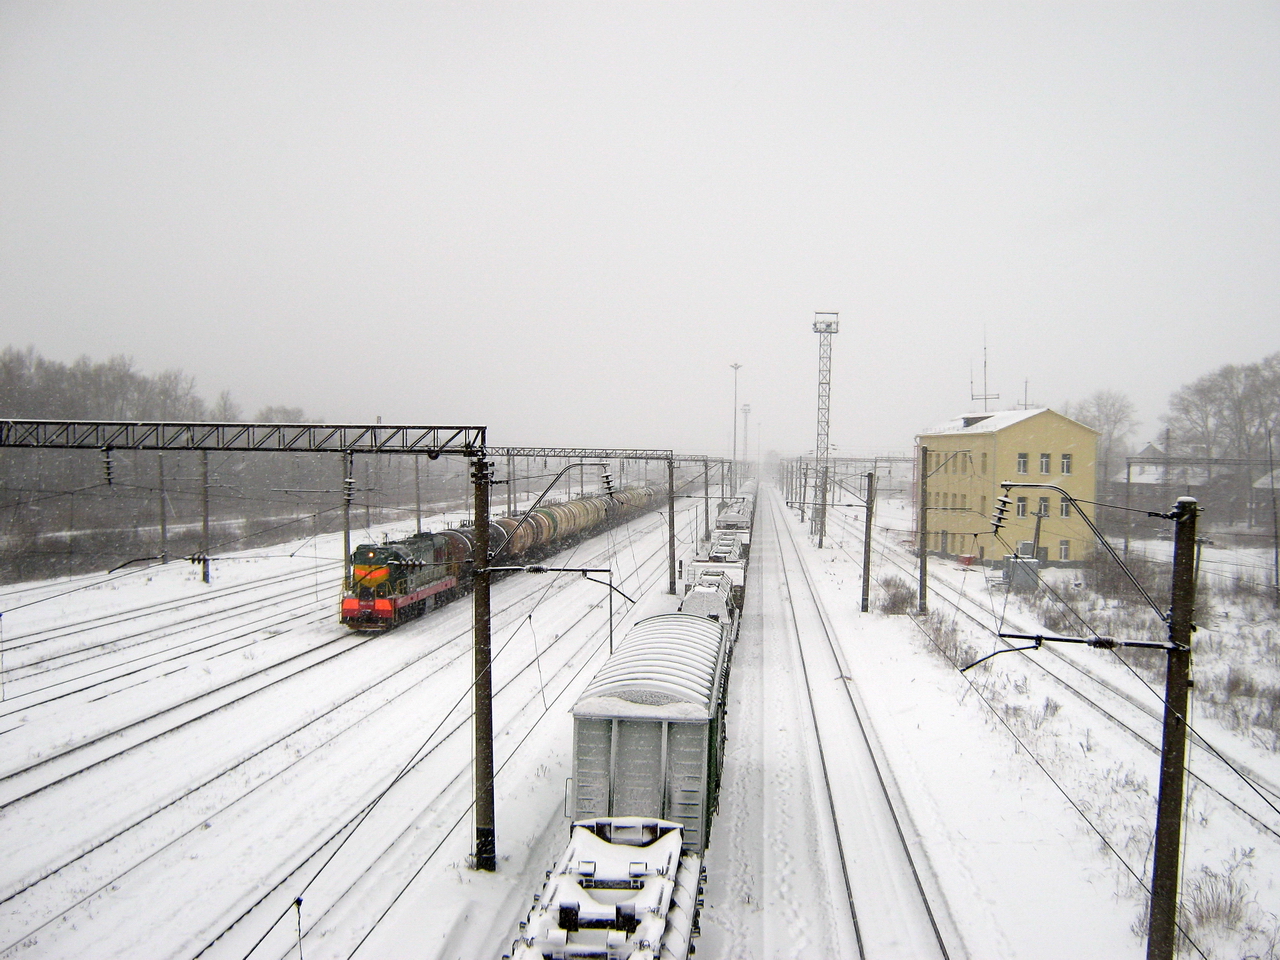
(1114, 416)
(280, 415)
(225, 410)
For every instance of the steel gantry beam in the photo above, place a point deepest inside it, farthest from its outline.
(431, 441)
(581, 453)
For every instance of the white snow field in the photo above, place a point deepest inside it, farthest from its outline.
(180, 762)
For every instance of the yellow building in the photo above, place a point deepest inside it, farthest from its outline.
(968, 459)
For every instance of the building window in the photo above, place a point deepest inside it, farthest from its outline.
(1065, 508)
(984, 463)
(1064, 549)
(1066, 465)
(1045, 463)
(964, 462)
(1022, 506)
(1022, 463)
(953, 501)
(1043, 509)
(984, 506)
(964, 501)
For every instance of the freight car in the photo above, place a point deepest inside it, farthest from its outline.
(648, 746)
(397, 581)
(727, 551)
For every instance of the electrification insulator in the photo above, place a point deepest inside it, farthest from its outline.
(606, 479)
(1001, 513)
(108, 467)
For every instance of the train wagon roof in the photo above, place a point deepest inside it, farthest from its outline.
(666, 666)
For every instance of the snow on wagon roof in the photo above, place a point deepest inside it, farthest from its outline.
(670, 662)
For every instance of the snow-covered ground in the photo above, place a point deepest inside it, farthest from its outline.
(205, 766)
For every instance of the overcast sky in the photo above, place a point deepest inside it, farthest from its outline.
(565, 220)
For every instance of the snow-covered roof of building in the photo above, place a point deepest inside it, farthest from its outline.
(1268, 481)
(664, 661)
(989, 422)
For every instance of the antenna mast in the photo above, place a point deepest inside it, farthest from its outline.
(985, 395)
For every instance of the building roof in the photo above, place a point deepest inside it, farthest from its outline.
(1268, 481)
(972, 423)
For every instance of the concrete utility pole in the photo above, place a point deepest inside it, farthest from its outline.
(866, 543)
(733, 470)
(417, 491)
(204, 527)
(164, 520)
(923, 525)
(1162, 932)
(671, 524)
(804, 489)
(746, 419)
(348, 493)
(706, 500)
(486, 851)
(824, 324)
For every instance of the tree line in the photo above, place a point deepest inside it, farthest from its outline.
(1230, 414)
(33, 387)
(69, 511)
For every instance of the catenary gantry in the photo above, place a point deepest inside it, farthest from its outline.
(432, 441)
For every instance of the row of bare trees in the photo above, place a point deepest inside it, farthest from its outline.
(60, 514)
(32, 387)
(1221, 433)
(1228, 413)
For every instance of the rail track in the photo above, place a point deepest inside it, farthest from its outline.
(896, 907)
(55, 893)
(1244, 791)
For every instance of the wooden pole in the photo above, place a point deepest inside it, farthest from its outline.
(1162, 932)
(486, 857)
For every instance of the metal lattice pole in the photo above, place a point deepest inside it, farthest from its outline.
(824, 324)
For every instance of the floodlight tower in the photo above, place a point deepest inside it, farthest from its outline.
(824, 325)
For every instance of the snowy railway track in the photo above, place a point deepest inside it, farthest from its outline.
(1121, 710)
(343, 915)
(174, 820)
(204, 644)
(894, 903)
(176, 612)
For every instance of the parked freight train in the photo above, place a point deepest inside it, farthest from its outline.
(396, 581)
(648, 746)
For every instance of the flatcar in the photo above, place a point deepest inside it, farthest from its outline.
(624, 889)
